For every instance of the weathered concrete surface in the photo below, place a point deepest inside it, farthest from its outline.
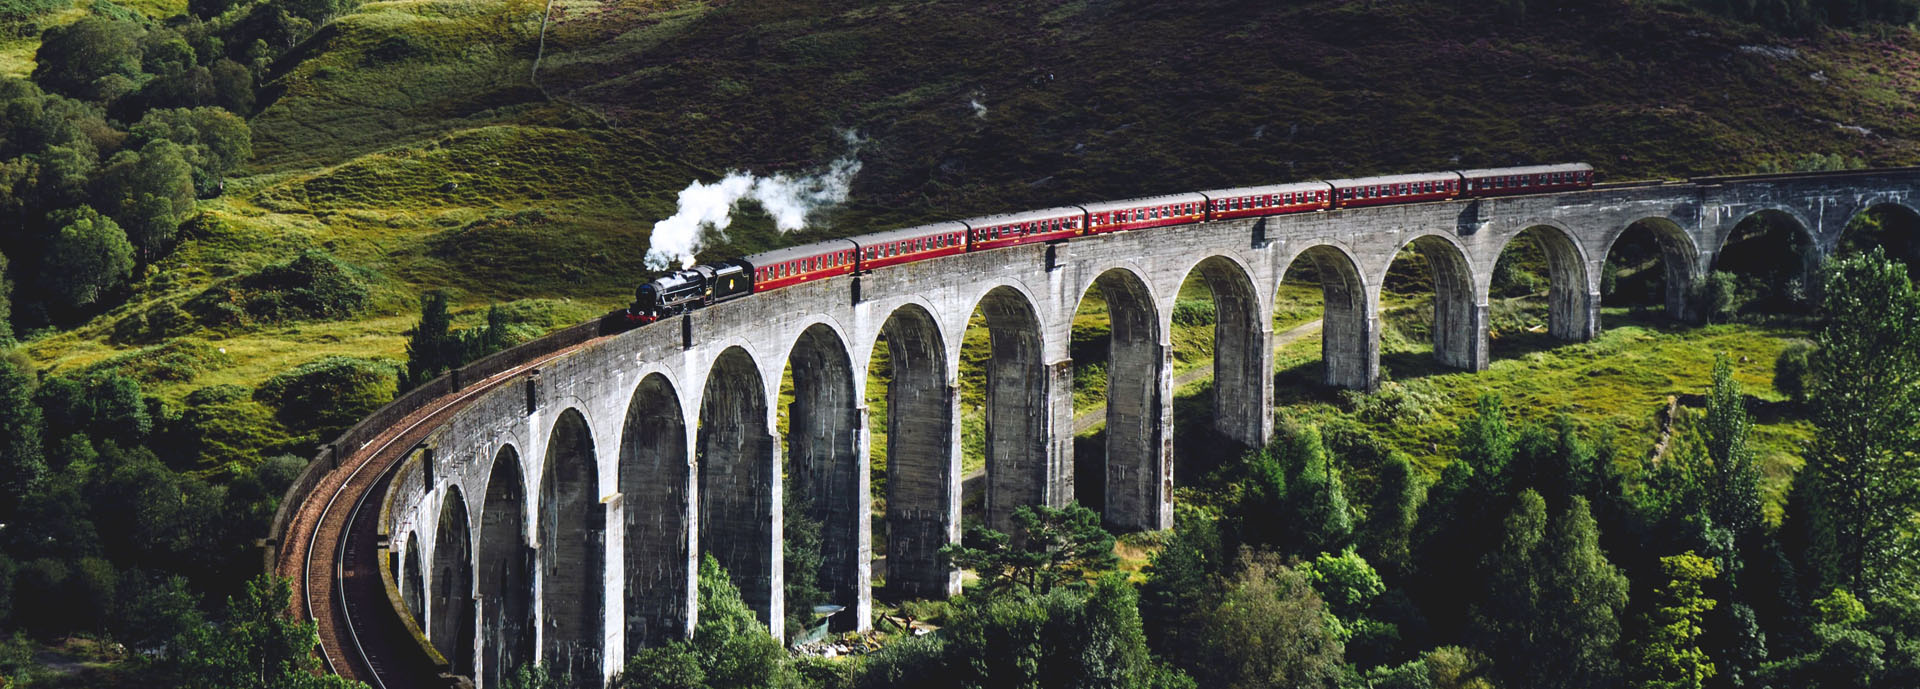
(667, 433)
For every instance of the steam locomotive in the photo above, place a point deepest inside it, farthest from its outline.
(707, 284)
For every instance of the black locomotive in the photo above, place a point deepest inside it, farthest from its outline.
(685, 290)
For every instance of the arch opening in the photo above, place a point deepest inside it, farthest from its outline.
(1768, 264)
(572, 538)
(822, 497)
(917, 490)
(1892, 227)
(452, 609)
(1344, 318)
(505, 574)
(735, 455)
(412, 581)
(1539, 294)
(1431, 319)
(1132, 469)
(1219, 417)
(1650, 263)
(654, 480)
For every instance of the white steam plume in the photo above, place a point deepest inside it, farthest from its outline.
(787, 198)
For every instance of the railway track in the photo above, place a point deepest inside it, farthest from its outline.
(330, 549)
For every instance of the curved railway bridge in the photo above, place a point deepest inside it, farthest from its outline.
(550, 503)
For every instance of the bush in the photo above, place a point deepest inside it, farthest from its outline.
(1716, 296)
(1791, 369)
(328, 395)
(311, 286)
(223, 429)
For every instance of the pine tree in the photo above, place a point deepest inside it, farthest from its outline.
(430, 349)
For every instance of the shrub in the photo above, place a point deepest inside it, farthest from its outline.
(311, 286)
(1716, 296)
(329, 394)
(1791, 369)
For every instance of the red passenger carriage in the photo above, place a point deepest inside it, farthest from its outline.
(795, 265)
(1379, 191)
(1012, 229)
(1245, 202)
(1139, 214)
(1527, 180)
(909, 244)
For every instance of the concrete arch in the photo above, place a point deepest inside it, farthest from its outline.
(1242, 355)
(825, 466)
(572, 549)
(452, 610)
(923, 456)
(505, 572)
(1350, 329)
(1459, 311)
(655, 482)
(1573, 297)
(1139, 461)
(412, 582)
(1679, 259)
(738, 462)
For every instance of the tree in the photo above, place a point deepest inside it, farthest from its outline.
(1791, 369)
(730, 648)
(1294, 500)
(1551, 614)
(1862, 473)
(213, 140)
(1178, 579)
(1716, 296)
(1386, 535)
(21, 463)
(431, 351)
(1265, 628)
(1054, 547)
(75, 59)
(260, 646)
(1734, 486)
(1063, 638)
(6, 302)
(149, 192)
(1668, 654)
(88, 259)
(1461, 518)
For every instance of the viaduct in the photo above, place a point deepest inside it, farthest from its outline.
(551, 503)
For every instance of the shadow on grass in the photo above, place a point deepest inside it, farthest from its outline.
(1412, 365)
